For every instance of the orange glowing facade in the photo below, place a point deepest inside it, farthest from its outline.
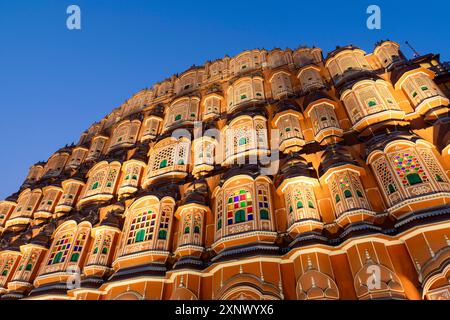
(269, 175)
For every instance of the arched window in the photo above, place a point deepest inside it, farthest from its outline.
(142, 227)
(239, 207)
(61, 249)
(348, 193)
(163, 163)
(140, 235)
(243, 90)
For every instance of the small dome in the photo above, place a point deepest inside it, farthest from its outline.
(398, 72)
(294, 165)
(112, 219)
(314, 96)
(335, 156)
(197, 192)
(340, 49)
(287, 104)
(379, 141)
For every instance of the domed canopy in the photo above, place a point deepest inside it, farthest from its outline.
(314, 96)
(44, 236)
(400, 71)
(294, 165)
(251, 170)
(197, 192)
(287, 104)
(340, 49)
(335, 156)
(379, 141)
(112, 219)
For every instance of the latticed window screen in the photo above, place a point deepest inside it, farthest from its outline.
(120, 135)
(106, 244)
(61, 249)
(239, 207)
(6, 266)
(263, 202)
(212, 105)
(385, 177)
(353, 107)
(261, 134)
(4, 209)
(242, 92)
(164, 223)
(142, 226)
(356, 182)
(78, 246)
(166, 153)
(386, 94)
(408, 168)
(348, 62)
(370, 99)
(219, 210)
(289, 207)
(187, 224)
(432, 165)
(197, 223)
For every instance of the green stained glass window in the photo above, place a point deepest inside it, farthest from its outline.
(178, 117)
(140, 235)
(391, 188)
(75, 257)
(338, 198)
(57, 258)
(95, 185)
(299, 205)
(162, 234)
(163, 164)
(413, 178)
(242, 141)
(348, 193)
(264, 214)
(239, 216)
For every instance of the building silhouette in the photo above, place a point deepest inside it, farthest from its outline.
(269, 175)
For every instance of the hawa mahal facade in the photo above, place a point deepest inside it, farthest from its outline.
(311, 178)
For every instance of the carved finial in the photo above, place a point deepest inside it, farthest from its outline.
(310, 265)
(280, 287)
(313, 282)
(241, 271)
(447, 240)
(368, 257)
(417, 264)
(430, 250)
(181, 282)
(262, 277)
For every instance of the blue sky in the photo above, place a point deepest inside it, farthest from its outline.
(55, 82)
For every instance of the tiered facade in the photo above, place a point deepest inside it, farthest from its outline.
(270, 175)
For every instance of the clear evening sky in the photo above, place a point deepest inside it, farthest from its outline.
(54, 82)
